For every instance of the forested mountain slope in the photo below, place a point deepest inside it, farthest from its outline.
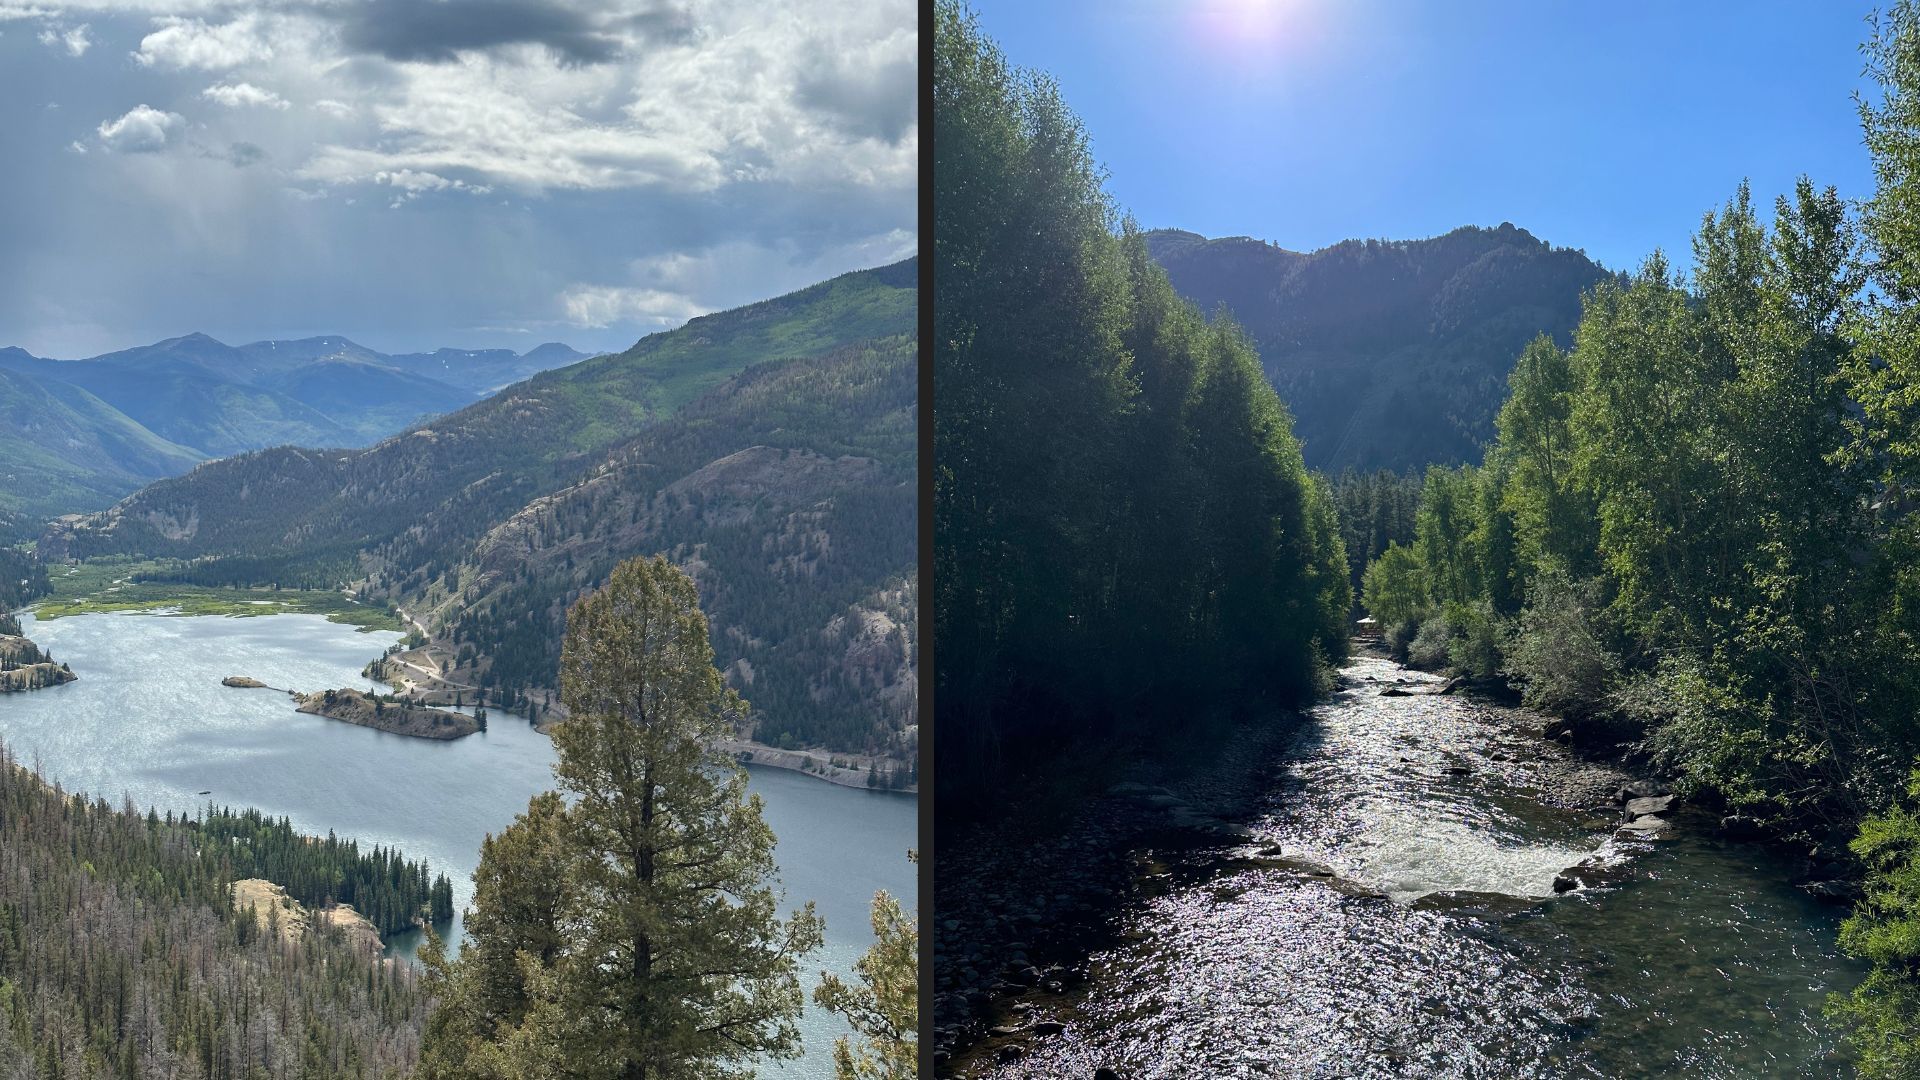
(1390, 354)
(63, 449)
(768, 447)
(122, 955)
(788, 493)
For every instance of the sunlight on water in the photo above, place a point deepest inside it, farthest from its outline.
(1700, 961)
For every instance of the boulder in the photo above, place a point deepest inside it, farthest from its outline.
(1639, 789)
(1650, 825)
(1562, 883)
(1650, 804)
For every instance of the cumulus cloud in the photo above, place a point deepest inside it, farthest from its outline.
(142, 130)
(603, 305)
(193, 43)
(241, 95)
(73, 40)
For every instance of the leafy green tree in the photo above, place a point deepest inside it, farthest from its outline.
(1552, 517)
(1396, 587)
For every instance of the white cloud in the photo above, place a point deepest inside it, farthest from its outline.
(597, 306)
(142, 130)
(334, 108)
(193, 43)
(74, 40)
(241, 95)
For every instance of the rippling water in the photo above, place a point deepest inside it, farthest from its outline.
(148, 719)
(1406, 926)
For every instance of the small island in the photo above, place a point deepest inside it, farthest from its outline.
(243, 682)
(392, 715)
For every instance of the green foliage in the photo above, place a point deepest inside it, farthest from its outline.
(1557, 652)
(883, 1007)
(1884, 1011)
(624, 927)
(1375, 510)
(390, 891)
(1396, 587)
(1123, 515)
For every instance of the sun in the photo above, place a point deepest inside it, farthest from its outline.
(1251, 27)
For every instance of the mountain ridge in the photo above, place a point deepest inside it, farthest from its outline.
(1390, 354)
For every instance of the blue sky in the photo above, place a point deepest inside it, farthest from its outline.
(1606, 127)
(418, 173)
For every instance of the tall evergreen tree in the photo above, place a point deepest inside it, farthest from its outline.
(637, 913)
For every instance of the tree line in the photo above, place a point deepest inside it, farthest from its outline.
(1125, 530)
(1694, 535)
(391, 891)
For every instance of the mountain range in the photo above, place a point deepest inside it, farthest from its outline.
(769, 450)
(77, 434)
(1390, 354)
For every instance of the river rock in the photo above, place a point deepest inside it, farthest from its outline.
(1048, 1027)
(1104, 1073)
(1562, 883)
(1639, 789)
(1650, 825)
(1005, 1030)
(1394, 691)
(1651, 804)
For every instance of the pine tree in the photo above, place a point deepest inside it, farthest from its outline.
(673, 961)
(883, 1008)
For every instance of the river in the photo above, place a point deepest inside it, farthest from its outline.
(1436, 947)
(148, 719)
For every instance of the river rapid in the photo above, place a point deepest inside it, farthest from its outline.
(149, 721)
(1389, 911)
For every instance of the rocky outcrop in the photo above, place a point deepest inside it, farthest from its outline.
(243, 682)
(23, 666)
(271, 906)
(395, 717)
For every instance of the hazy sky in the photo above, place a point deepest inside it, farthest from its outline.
(1605, 126)
(417, 173)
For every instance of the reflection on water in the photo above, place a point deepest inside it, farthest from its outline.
(148, 719)
(1436, 947)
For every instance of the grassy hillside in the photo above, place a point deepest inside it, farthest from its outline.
(62, 450)
(1390, 354)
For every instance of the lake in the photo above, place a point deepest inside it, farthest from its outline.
(148, 719)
